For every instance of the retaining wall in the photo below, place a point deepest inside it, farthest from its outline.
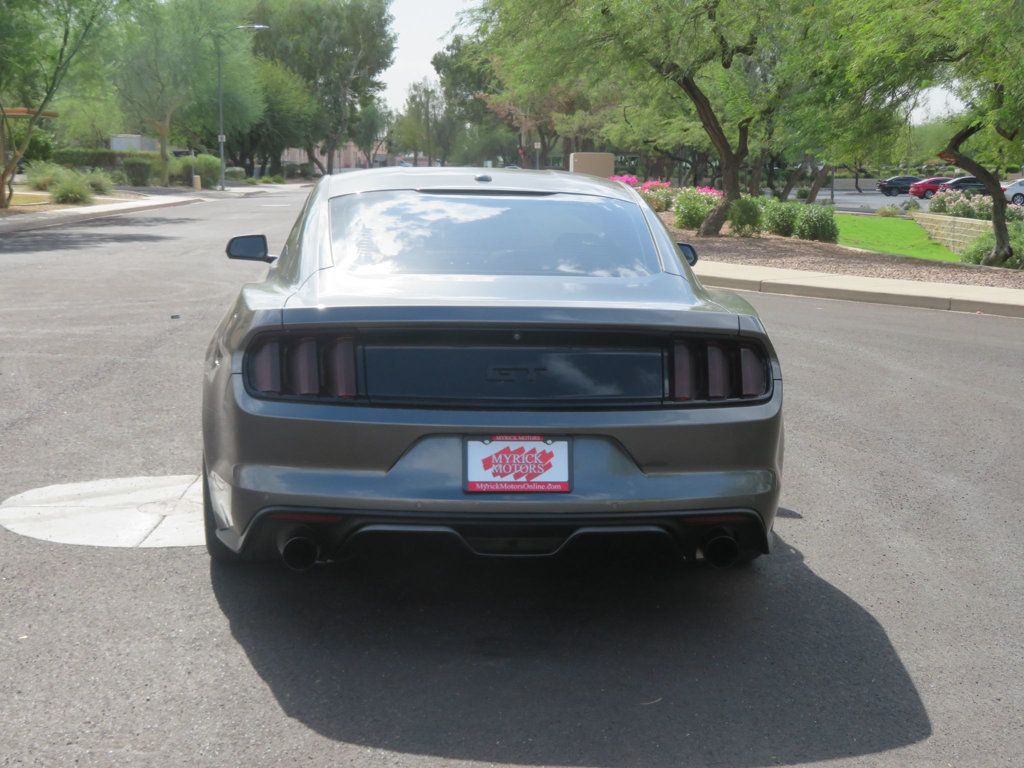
(952, 231)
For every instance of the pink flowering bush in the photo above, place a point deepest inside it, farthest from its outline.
(711, 191)
(693, 204)
(627, 179)
(650, 184)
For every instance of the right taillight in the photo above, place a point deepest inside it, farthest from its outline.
(717, 371)
(307, 366)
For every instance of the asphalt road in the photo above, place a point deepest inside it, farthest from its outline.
(885, 631)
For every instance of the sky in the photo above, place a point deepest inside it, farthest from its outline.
(422, 26)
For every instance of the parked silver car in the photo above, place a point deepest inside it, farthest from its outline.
(517, 360)
(1014, 192)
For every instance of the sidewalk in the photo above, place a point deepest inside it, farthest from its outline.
(155, 197)
(27, 221)
(1008, 302)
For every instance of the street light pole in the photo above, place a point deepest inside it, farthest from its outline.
(217, 40)
(220, 109)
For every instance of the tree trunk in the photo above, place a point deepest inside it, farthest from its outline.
(816, 183)
(163, 132)
(791, 180)
(712, 225)
(756, 173)
(329, 147)
(6, 177)
(313, 159)
(951, 154)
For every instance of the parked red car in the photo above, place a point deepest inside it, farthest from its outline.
(927, 188)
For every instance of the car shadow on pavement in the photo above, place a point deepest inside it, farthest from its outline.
(585, 661)
(88, 234)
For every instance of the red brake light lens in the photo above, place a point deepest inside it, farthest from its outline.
(718, 371)
(303, 366)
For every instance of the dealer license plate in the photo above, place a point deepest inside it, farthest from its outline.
(517, 464)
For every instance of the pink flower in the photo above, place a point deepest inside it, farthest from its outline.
(631, 180)
(650, 184)
(710, 191)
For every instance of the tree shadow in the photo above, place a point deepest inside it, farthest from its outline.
(629, 662)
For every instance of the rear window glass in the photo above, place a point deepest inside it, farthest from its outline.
(409, 232)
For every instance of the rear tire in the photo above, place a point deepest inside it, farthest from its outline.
(1017, 199)
(928, 194)
(217, 549)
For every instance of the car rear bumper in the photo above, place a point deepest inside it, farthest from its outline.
(346, 472)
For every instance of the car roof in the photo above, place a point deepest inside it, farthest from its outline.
(486, 180)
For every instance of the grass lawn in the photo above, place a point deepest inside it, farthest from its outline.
(904, 237)
(21, 198)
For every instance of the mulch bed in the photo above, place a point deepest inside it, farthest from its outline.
(790, 253)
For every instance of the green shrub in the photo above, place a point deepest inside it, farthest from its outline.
(962, 207)
(888, 211)
(659, 198)
(803, 193)
(306, 170)
(291, 170)
(692, 206)
(71, 188)
(911, 204)
(252, 180)
(976, 252)
(234, 173)
(745, 217)
(88, 157)
(208, 168)
(99, 181)
(42, 175)
(939, 203)
(272, 180)
(816, 222)
(138, 170)
(779, 217)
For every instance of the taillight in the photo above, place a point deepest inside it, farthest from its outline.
(311, 366)
(717, 371)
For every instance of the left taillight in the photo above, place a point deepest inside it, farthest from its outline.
(714, 371)
(306, 366)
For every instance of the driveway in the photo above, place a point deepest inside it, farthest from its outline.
(884, 630)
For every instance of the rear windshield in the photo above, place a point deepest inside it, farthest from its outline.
(409, 232)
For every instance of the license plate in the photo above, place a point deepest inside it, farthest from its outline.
(517, 464)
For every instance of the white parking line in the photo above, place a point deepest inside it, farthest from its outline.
(121, 512)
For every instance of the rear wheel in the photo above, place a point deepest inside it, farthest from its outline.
(1017, 199)
(216, 548)
(928, 194)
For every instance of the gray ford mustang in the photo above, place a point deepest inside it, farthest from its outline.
(519, 361)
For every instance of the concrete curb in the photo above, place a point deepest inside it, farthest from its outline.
(59, 218)
(1006, 302)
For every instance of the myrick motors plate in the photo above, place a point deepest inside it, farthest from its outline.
(518, 464)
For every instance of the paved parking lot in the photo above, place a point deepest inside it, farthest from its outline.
(885, 631)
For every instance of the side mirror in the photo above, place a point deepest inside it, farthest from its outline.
(689, 253)
(249, 247)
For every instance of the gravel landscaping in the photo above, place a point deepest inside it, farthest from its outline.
(790, 253)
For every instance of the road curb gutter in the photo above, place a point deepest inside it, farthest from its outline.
(1004, 302)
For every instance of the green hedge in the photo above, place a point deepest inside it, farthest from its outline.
(86, 157)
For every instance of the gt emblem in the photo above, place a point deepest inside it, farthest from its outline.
(511, 374)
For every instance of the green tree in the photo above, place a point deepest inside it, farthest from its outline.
(340, 48)
(973, 48)
(371, 127)
(39, 41)
(693, 47)
(167, 65)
